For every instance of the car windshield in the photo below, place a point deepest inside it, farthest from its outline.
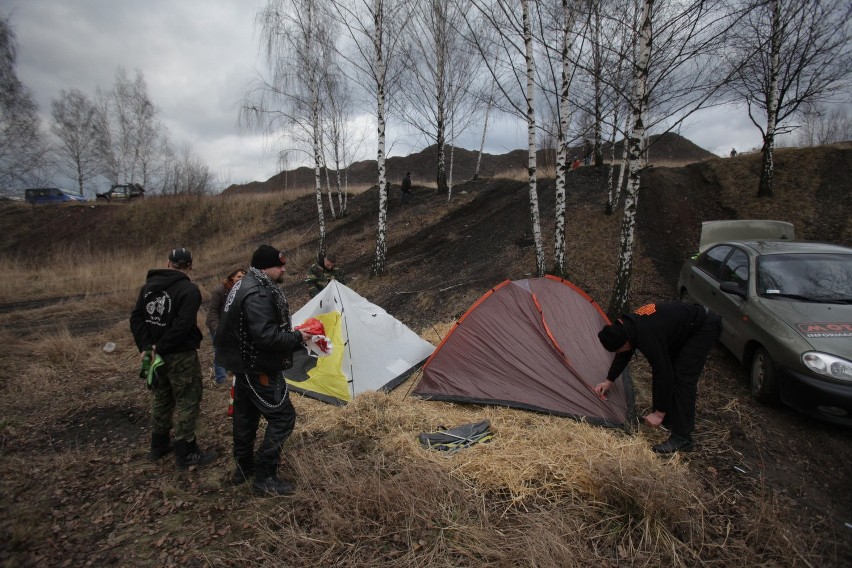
(806, 277)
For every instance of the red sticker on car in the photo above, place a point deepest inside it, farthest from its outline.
(825, 329)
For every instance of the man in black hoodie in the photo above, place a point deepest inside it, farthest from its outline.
(255, 341)
(163, 322)
(676, 339)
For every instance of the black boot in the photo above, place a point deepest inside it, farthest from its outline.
(272, 485)
(674, 444)
(188, 454)
(266, 482)
(244, 470)
(160, 446)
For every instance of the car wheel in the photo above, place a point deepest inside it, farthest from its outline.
(685, 298)
(763, 385)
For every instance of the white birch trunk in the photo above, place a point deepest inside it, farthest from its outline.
(562, 143)
(343, 207)
(610, 189)
(452, 158)
(598, 69)
(328, 189)
(624, 163)
(482, 140)
(317, 176)
(621, 291)
(337, 180)
(536, 223)
(441, 125)
(450, 174)
(378, 267)
(768, 162)
(339, 191)
(315, 122)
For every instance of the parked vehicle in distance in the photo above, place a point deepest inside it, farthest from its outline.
(122, 192)
(45, 195)
(786, 310)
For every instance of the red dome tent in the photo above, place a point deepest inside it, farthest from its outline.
(530, 344)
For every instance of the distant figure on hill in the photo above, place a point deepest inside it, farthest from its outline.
(323, 272)
(405, 188)
(163, 323)
(575, 165)
(214, 314)
(675, 338)
(733, 152)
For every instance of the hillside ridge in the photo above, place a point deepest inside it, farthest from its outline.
(669, 147)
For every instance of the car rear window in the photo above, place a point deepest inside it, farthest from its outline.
(819, 277)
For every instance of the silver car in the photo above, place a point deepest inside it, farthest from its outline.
(786, 310)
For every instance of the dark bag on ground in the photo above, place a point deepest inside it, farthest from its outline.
(453, 439)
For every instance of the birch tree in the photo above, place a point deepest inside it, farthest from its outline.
(489, 103)
(373, 30)
(295, 37)
(23, 151)
(790, 53)
(75, 127)
(338, 132)
(621, 290)
(596, 25)
(514, 74)
(822, 124)
(674, 69)
(562, 138)
(439, 67)
(185, 173)
(621, 40)
(530, 95)
(129, 133)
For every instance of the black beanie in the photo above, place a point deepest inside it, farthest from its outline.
(266, 257)
(613, 336)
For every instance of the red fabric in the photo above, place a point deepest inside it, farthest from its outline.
(312, 326)
(323, 343)
(231, 400)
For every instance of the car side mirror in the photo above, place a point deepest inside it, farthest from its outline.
(735, 288)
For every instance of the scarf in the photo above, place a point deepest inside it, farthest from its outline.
(277, 295)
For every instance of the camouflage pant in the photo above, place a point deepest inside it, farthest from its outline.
(178, 393)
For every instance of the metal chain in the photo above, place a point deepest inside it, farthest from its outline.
(263, 400)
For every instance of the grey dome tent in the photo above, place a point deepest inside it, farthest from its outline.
(530, 344)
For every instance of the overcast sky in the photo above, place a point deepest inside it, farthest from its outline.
(199, 58)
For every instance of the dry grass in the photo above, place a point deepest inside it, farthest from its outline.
(220, 231)
(545, 492)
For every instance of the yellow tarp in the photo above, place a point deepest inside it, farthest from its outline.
(327, 377)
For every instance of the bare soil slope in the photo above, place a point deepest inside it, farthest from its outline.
(441, 258)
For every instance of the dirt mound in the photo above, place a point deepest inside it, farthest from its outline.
(664, 149)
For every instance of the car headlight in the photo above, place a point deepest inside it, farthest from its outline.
(828, 365)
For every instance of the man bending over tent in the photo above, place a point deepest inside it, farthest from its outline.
(676, 339)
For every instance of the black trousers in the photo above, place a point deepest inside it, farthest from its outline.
(251, 401)
(688, 364)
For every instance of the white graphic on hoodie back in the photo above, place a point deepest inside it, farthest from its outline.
(158, 306)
